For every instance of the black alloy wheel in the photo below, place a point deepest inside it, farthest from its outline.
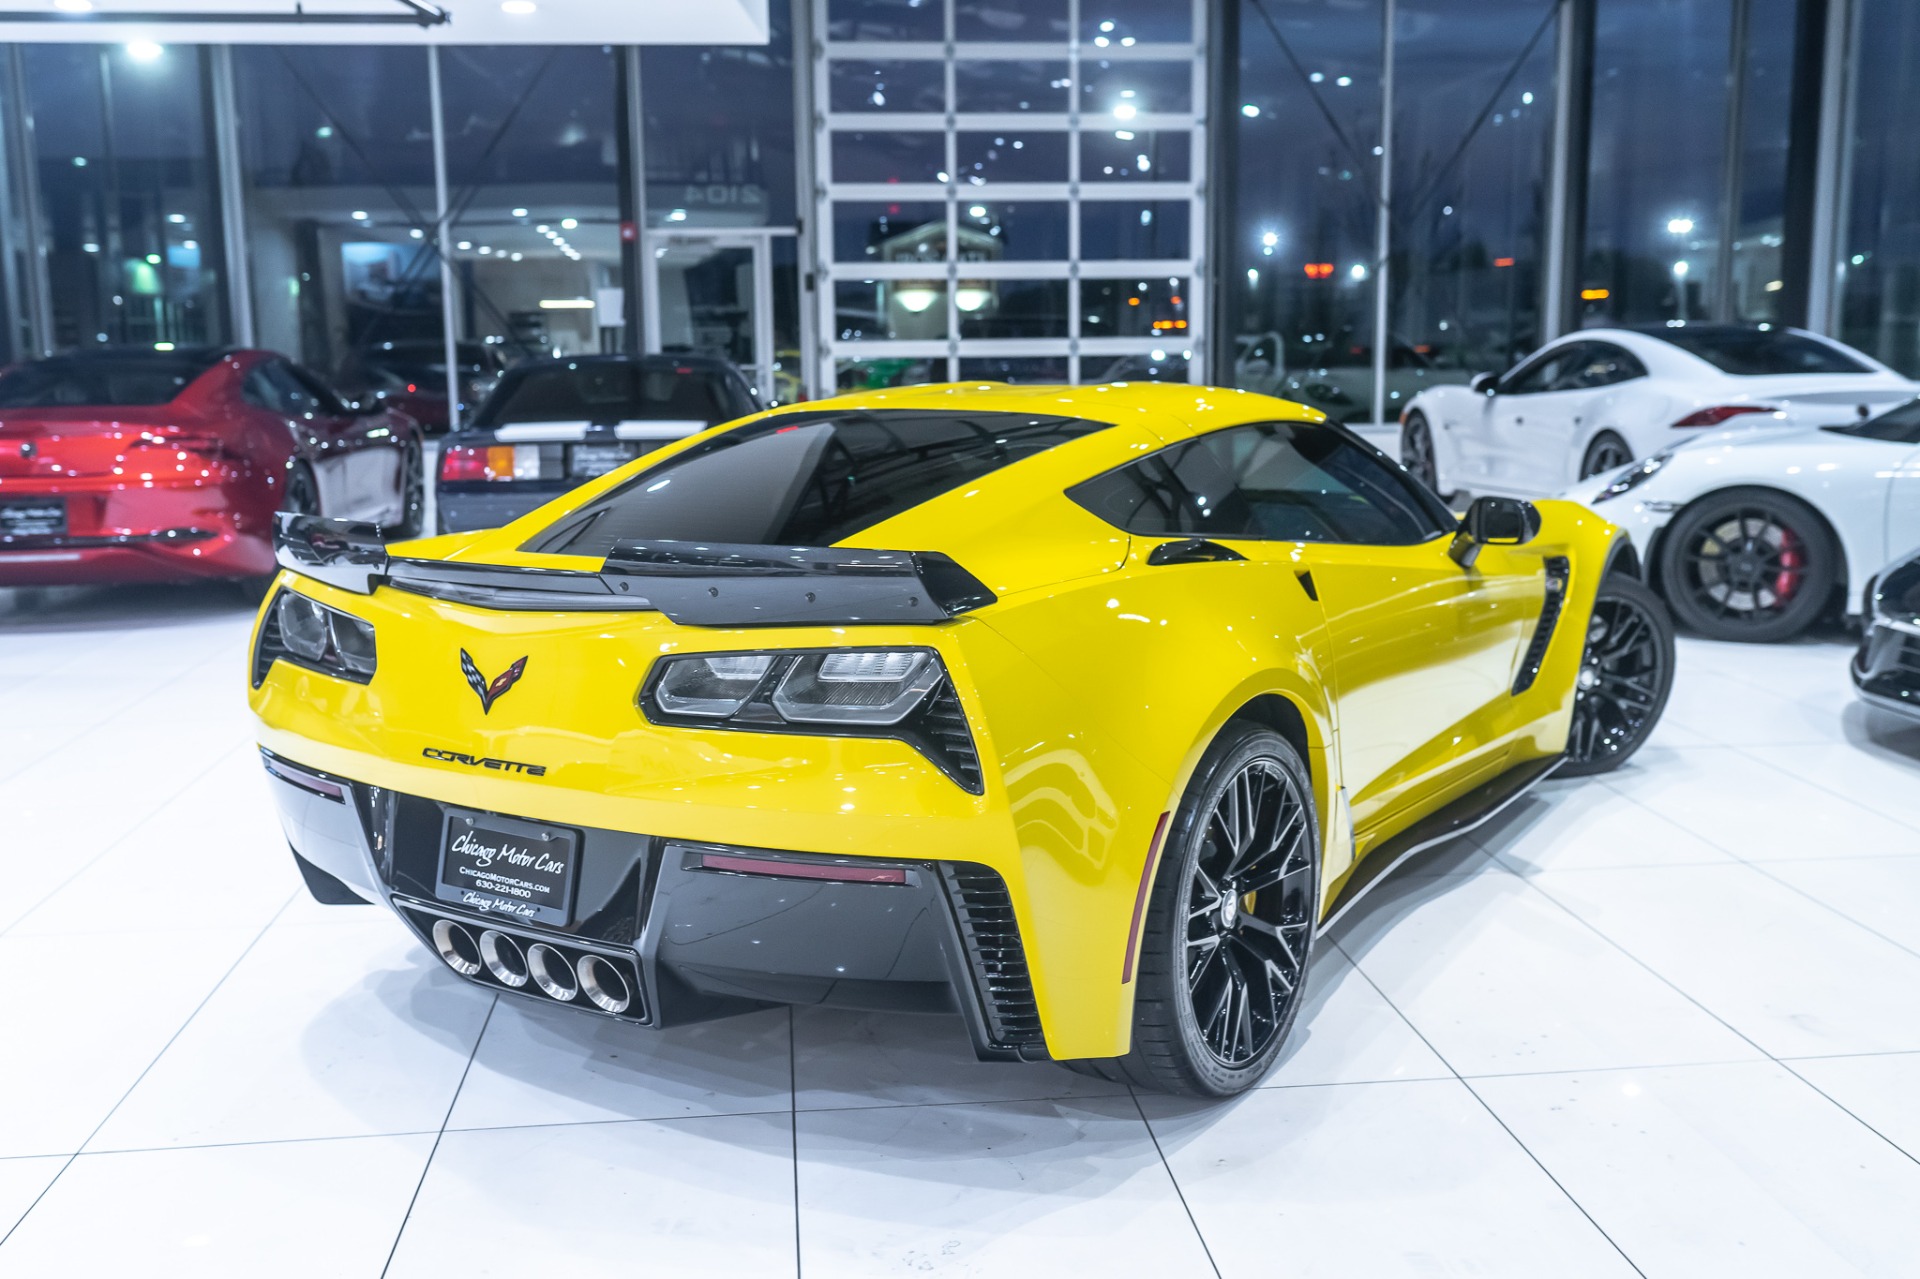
(1607, 454)
(1748, 564)
(1416, 451)
(1229, 931)
(1626, 673)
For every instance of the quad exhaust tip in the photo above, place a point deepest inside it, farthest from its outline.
(504, 958)
(552, 973)
(457, 946)
(561, 972)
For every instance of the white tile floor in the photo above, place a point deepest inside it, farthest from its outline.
(1665, 1024)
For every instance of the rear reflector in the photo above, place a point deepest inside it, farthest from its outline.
(803, 870)
(303, 779)
(1140, 898)
(1721, 412)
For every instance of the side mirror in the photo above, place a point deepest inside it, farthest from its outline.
(1483, 383)
(1493, 521)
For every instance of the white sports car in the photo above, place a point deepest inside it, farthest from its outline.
(1753, 535)
(1590, 402)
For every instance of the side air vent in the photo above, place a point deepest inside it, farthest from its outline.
(948, 740)
(1558, 568)
(994, 953)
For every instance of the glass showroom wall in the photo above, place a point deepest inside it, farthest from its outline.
(720, 265)
(1010, 189)
(122, 164)
(1304, 249)
(338, 197)
(1473, 134)
(1878, 272)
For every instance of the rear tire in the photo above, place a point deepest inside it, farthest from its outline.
(1607, 454)
(1228, 935)
(1749, 564)
(1626, 673)
(1416, 450)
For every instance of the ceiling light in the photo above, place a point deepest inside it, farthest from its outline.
(358, 215)
(568, 224)
(519, 213)
(566, 304)
(914, 297)
(516, 257)
(1679, 226)
(1125, 111)
(464, 244)
(144, 51)
(176, 218)
(970, 297)
(153, 259)
(416, 233)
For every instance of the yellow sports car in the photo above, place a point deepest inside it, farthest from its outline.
(1079, 711)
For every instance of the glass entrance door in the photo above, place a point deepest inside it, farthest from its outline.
(712, 293)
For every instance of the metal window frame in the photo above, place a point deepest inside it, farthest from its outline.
(830, 350)
(759, 241)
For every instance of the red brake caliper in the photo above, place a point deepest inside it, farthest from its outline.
(1788, 580)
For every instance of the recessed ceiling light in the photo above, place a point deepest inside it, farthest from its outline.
(144, 51)
(519, 213)
(464, 244)
(568, 224)
(518, 8)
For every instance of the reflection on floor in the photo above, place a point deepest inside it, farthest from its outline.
(1667, 1023)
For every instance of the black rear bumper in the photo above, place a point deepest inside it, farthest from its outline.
(701, 942)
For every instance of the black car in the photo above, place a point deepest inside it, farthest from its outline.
(411, 375)
(551, 425)
(1886, 670)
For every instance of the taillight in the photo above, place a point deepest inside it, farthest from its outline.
(1721, 412)
(464, 463)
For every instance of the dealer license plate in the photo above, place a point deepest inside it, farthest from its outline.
(500, 866)
(41, 517)
(589, 461)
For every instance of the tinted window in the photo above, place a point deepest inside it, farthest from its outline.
(100, 380)
(1758, 352)
(612, 391)
(1896, 426)
(1594, 364)
(1538, 374)
(807, 479)
(1281, 481)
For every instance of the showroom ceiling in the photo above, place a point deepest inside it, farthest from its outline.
(387, 21)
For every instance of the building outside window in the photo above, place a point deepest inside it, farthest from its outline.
(1000, 201)
(122, 159)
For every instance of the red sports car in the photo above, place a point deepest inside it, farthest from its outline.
(124, 465)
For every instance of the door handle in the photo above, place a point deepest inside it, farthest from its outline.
(1191, 550)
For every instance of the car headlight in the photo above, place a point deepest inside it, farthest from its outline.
(1633, 477)
(320, 638)
(901, 693)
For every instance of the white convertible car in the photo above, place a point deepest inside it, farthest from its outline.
(1589, 403)
(1753, 535)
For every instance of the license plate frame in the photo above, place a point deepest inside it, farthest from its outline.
(592, 460)
(23, 517)
(494, 865)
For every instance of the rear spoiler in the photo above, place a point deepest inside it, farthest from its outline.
(693, 583)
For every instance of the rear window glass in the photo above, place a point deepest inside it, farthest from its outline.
(1895, 426)
(1759, 352)
(107, 381)
(807, 479)
(612, 391)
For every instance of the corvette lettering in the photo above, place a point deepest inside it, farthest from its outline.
(481, 761)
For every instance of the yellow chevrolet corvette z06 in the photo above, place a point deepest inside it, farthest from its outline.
(1079, 711)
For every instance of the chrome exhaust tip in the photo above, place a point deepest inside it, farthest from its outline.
(457, 946)
(551, 972)
(503, 958)
(603, 983)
